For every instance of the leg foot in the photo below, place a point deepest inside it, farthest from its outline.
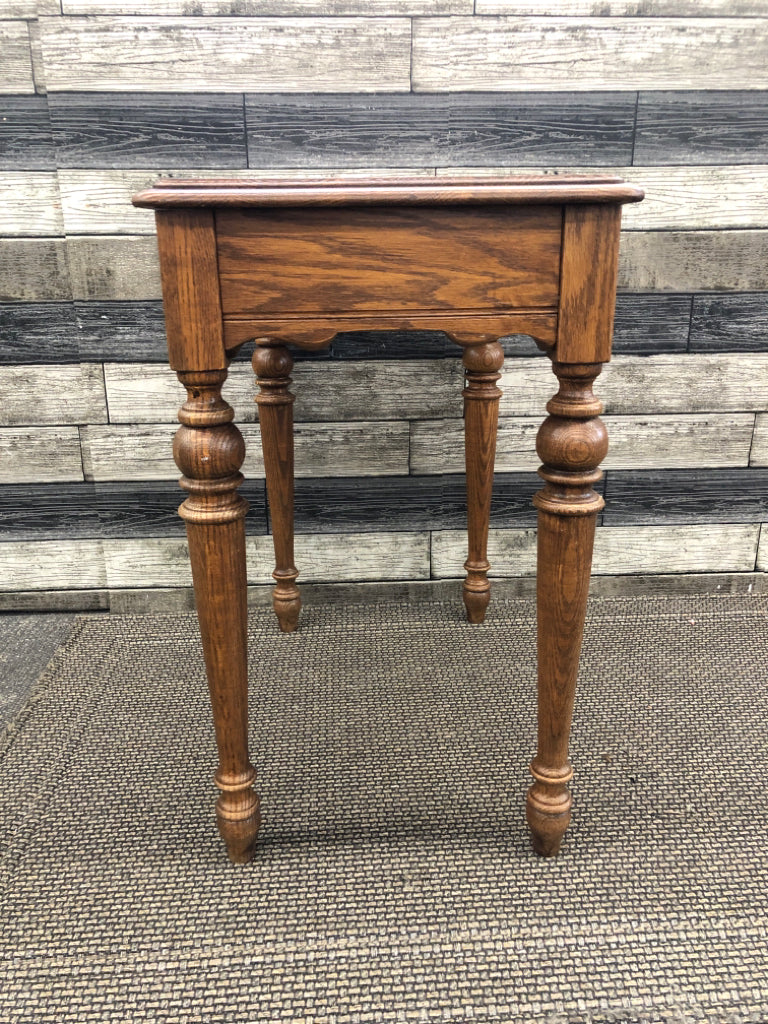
(238, 816)
(476, 591)
(548, 810)
(286, 600)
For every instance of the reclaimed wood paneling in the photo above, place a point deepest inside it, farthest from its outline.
(648, 324)
(227, 54)
(759, 453)
(661, 442)
(52, 565)
(126, 331)
(25, 134)
(618, 8)
(109, 268)
(143, 451)
(305, 8)
(15, 58)
(33, 269)
(49, 395)
(38, 332)
(647, 497)
(688, 261)
(482, 130)
(39, 455)
(730, 323)
(551, 54)
(29, 203)
(124, 130)
(690, 127)
(762, 551)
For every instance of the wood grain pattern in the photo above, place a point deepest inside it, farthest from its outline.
(142, 452)
(688, 261)
(25, 134)
(107, 268)
(434, 259)
(549, 54)
(650, 497)
(38, 332)
(660, 441)
(303, 8)
(133, 129)
(33, 269)
(647, 324)
(15, 58)
(54, 564)
(126, 331)
(699, 197)
(618, 8)
(29, 8)
(226, 54)
(50, 395)
(443, 130)
(762, 551)
(759, 454)
(690, 127)
(730, 323)
(39, 454)
(29, 204)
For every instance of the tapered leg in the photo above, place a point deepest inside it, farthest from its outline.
(273, 367)
(209, 451)
(572, 442)
(481, 416)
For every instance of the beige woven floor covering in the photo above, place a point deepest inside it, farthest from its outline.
(394, 881)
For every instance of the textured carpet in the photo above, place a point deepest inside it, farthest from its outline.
(27, 644)
(395, 880)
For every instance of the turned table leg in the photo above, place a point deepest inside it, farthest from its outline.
(209, 451)
(571, 443)
(273, 367)
(481, 416)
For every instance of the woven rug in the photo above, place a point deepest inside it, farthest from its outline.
(394, 881)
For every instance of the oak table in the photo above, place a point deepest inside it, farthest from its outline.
(287, 261)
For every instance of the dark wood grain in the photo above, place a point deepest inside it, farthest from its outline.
(645, 324)
(38, 332)
(651, 497)
(730, 323)
(412, 130)
(121, 332)
(25, 134)
(148, 130)
(729, 127)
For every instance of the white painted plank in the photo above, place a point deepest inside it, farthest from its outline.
(29, 203)
(227, 54)
(759, 454)
(618, 550)
(52, 565)
(271, 8)
(694, 261)
(143, 452)
(41, 455)
(53, 395)
(622, 8)
(15, 58)
(584, 54)
(635, 442)
(320, 558)
(28, 8)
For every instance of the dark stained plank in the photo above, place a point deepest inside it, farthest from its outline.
(78, 511)
(121, 332)
(730, 323)
(25, 135)
(646, 497)
(125, 130)
(702, 128)
(481, 129)
(38, 332)
(646, 324)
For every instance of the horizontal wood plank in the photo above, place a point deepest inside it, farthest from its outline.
(38, 332)
(143, 451)
(26, 142)
(29, 203)
(444, 130)
(759, 453)
(40, 455)
(304, 8)
(124, 130)
(52, 565)
(654, 442)
(646, 497)
(15, 58)
(550, 54)
(29, 8)
(619, 8)
(691, 127)
(689, 261)
(49, 395)
(34, 269)
(226, 54)
(646, 324)
(730, 323)
(762, 551)
(113, 268)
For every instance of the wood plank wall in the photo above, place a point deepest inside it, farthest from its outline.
(98, 97)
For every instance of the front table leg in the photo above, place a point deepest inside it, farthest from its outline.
(209, 451)
(572, 442)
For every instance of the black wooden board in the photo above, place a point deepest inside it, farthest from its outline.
(645, 497)
(148, 130)
(650, 324)
(121, 332)
(730, 322)
(702, 128)
(442, 130)
(25, 134)
(38, 332)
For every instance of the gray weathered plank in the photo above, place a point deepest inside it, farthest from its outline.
(227, 54)
(52, 565)
(25, 134)
(481, 130)
(40, 455)
(38, 332)
(550, 54)
(33, 269)
(762, 551)
(49, 395)
(646, 324)
(143, 451)
(15, 58)
(689, 261)
(148, 130)
(29, 8)
(38, 64)
(759, 454)
(618, 8)
(302, 8)
(730, 323)
(655, 442)
(113, 268)
(647, 497)
(29, 203)
(689, 127)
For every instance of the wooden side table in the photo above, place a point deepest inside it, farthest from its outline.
(283, 261)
